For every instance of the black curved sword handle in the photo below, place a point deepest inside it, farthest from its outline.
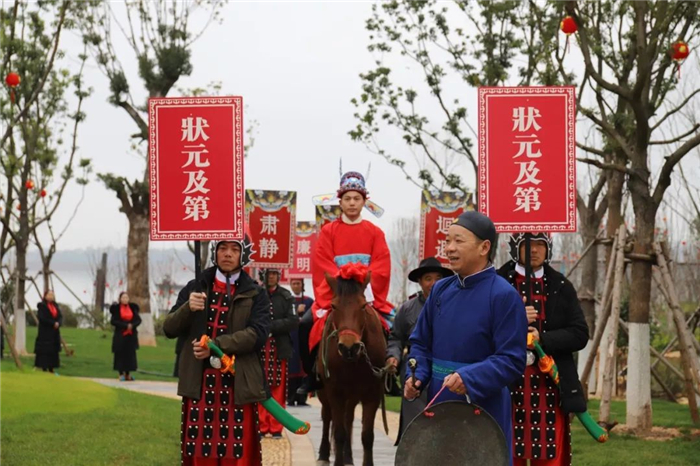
(413, 365)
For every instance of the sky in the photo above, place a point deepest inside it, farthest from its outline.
(297, 66)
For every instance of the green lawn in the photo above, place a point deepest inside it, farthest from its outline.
(627, 450)
(93, 355)
(67, 421)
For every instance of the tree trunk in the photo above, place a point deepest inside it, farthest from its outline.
(639, 413)
(587, 292)
(137, 275)
(21, 271)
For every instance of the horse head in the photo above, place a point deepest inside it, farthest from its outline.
(348, 310)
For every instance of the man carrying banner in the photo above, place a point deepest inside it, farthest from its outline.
(426, 275)
(300, 338)
(541, 427)
(471, 334)
(350, 239)
(220, 410)
(278, 348)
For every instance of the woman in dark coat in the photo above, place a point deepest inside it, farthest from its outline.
(48, 338)
(125, 342)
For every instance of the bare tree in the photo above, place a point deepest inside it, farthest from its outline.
(34, 116)
(403, 243)
(160, 37)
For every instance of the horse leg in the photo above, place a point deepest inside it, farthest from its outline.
(369, 411)
(339, 432)
(324, 451)
(349, 417)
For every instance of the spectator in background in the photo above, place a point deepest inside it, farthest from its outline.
(48, 338)
(125, 342)
(300, 339)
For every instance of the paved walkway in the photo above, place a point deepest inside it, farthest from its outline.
(384, 450)
(294, 450)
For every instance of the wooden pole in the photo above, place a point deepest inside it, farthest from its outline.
(9, 341)
(689, 359)
(100, 286)
(585, 251)
(675, 338)
(609, 374)
(602, 320)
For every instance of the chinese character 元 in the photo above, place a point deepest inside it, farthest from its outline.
(194, 129)
(527, 199)
(524, 119)
(196, 157)
(196, 208)
(526, 148)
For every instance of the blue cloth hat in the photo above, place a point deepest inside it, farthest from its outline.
(352, 181)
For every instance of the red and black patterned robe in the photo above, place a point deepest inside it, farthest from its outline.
(216, 432)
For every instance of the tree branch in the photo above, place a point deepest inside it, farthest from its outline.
(607, 166)
(676, 139)
(671, 161)
(47, 71)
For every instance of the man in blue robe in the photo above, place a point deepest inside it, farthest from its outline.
(471, 335)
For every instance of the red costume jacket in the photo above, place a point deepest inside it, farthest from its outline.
(340, 243)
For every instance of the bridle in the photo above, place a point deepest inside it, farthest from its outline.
(378, 372)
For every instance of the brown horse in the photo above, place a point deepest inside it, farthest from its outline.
(350, 360)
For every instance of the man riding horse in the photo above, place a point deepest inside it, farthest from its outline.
(350, 239)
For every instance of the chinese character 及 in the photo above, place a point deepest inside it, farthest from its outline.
(194, 129)
(524, 119)
(444, 224)
(196, 182)
(304, 264)
(268, 248)
(440, 249)
(527, 199)
(304, 246)
(196, 208)
(528, 173)
(269, 224)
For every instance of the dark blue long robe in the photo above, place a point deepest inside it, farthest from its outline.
(477, 327)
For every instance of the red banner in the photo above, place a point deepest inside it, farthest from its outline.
(195, 156)
(327, 214)
(304, 243)
(527, 158)
(270, 216)
(437, 212)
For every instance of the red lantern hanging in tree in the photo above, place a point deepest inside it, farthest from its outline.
(568, 26)
(679, 52)
(29, 184)
(12, 80)
(43, 193)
